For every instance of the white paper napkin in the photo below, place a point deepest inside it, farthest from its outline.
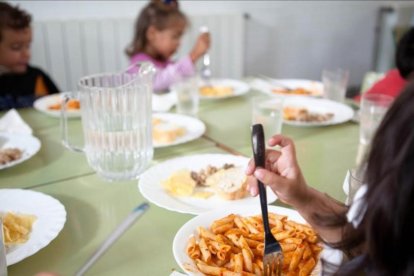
(163, 102)
(11, 122)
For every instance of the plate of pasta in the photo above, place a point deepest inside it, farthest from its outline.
(173, 184)
(222, 88)
(232, 241)
(46, 215)
(51, 105)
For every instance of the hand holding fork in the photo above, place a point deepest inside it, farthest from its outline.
(273, 258)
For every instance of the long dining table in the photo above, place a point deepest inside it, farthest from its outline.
(95, 207)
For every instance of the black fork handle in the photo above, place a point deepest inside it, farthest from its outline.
(258, 144)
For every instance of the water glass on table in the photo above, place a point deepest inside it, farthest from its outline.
(268, 111)
(116, 119)
(334, 84)
(373, 109)
(188, 97)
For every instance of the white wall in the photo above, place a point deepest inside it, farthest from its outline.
(285, 39)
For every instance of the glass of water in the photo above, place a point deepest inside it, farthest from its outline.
(335, 83)
(268, 111)
(187, 95)
(373, 109)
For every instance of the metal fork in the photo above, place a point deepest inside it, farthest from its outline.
(273, 257)
(205, 71)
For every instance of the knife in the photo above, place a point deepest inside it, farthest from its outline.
(114, 236)
(3, 261)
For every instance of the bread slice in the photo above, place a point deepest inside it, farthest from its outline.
(229, 184)
(166, 132)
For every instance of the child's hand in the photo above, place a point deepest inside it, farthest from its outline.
(201, 46)
(281, 173)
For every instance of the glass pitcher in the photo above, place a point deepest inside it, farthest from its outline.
(116, 120)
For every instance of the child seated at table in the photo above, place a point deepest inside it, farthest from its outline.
(376, 231)
(396, 79)
(20, 83)
(158, 31)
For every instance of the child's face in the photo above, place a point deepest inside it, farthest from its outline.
(166, 42)
(15, 49)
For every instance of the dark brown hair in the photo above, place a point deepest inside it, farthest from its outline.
(158, 14)
(382, 244)
(404, 55)
(13, 18)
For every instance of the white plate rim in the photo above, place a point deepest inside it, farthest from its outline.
(51, 217)
(32, 146)
(43, 102)
(240, 88)
(342, 112)
(195, 128)
(189, 228)
(267, 86)
(150, 187)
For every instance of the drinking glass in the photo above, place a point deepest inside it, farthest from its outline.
(268, 111)
(353, 182)
(188, 97)
(334, 84)
(116, 120)
(373, 109)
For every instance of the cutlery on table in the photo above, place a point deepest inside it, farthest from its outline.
(114, 236)
(273, 258)
(3, 261)
(275, 82)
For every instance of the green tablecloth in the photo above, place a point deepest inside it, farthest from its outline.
(96, 207)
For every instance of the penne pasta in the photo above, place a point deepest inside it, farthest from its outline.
(297, 256)
(204, 233)
(234, 245)
(241, 225)
(222, 228)
(208, 269)
(238, 262)
(307, 267)
(247, 260)
(205, 253)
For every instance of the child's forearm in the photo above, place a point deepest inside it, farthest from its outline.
(167, 76)
(318, 209)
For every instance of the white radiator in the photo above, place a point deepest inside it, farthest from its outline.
(70, 49)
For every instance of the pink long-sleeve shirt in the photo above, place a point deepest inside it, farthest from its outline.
(167, 72)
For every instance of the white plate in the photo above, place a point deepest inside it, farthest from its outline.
(194, 127)
(28, 144)
(315, 87)
(239, 88)
(342, 113)
(205, 219)
(44, 102)
(163, 102)
(150, 184)
(50, 214)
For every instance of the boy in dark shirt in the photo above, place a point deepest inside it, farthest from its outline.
(20, 84)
